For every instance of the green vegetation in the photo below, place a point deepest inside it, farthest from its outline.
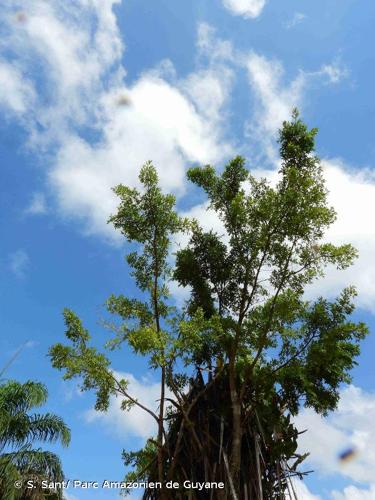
(19, 431)
(248, 351)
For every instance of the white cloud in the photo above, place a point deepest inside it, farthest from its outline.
(78, 50)
(207, 218)
(212, 47)
(160, 123)
(160, 117)
(56, 41)
(352, 194)
(335, 72)
(38, 205)
(245, 8)
(303, 492)
(17, 93)
(135, 422)
(209, 89)
(274, 101)
(275, 97)
(69, 390)
(354, 493)
(172, 121)
(351, 426)
(19, 262)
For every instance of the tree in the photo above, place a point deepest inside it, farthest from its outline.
(249, 351)
(19, 429)
(148, 219)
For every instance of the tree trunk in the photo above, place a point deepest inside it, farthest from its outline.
(160, 432)
(235, 458)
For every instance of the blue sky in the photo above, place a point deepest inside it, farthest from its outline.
(90, 90)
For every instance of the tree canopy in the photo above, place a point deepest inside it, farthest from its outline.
(249, 350)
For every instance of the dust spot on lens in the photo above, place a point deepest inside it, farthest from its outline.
(123, 100)
(21, 17)
(348, 455)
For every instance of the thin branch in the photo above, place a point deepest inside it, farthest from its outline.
(275, 297)
(300, 351)
(122, 391)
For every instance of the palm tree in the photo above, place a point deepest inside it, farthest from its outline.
(19, 429)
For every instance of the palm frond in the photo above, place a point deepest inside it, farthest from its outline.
(18, 431)
(28, 464)
(16, 397)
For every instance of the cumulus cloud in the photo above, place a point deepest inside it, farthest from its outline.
(79, 90)
(245, 8)
(54, 49)
(19, 262)
(352, 194)
(161, 124)
(349, 427)
(161, 117)
(213, 47)
(172, 121)
(274, 99)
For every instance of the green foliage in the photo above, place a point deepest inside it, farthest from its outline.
(18, 431)
(140, 461)
(149, 219)
(273, 251)
(84, 362)
(205, 266)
